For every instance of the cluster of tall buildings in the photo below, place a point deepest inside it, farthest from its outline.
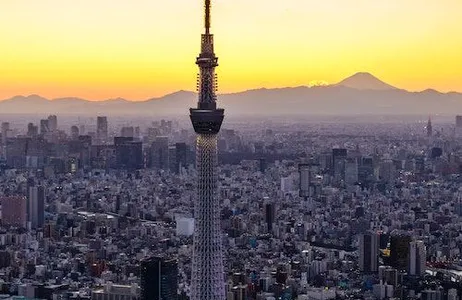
(54, 151)
(24, 211)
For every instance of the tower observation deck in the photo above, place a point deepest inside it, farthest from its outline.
(207, 118)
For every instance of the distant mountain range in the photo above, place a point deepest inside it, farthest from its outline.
(361, 93)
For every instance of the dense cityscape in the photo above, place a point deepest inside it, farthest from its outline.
(309, 210)
(136, 207)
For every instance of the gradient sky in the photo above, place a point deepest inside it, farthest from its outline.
(137, 49)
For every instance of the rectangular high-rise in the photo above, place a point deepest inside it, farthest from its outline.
(339, 156)
(181, 159)
(14, 211)
(270, 215)
(160, 153)
(369, 253)
(399, 251)
(44, 126)
(5, 131)
(101, 129)
(159, 279)
(36, 206)
(129, 154)
(53, 123)
(305, 180)
(417, 258)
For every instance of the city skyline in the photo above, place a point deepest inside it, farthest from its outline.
(344, 186)
(142, 50)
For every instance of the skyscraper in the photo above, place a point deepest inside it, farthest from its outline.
(129, 153)
(270, 215)
(207, 278)
(305, 180)
(36, 206)
(160, 153)
(351, 171)
(339, 156)
(369, 253)
(44, 126)
(417, 258)
(14, 211)
(32, 130)
(101, 130)
(5, 131)
(429, 127)
(159, 279)
(181, 160)
(53, 123)
(399, 251)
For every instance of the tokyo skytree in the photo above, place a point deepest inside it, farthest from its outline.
(207, 278)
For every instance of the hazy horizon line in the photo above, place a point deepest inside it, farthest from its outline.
(219, 94)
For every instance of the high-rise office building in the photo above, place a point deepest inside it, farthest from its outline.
(429, 128)
(351, 171)
(159, 279)
(369, 252)
(270, 215)
(182, 153)
(366, 170)
(36, 206)
(305, 180)
(207, 278)
(399, 251)
(84, 142)
(44, 126)
(53, 123)
(339, 156)
(129, 153)
(387, 171)
(160, 153)
(172, 159)
(101, 130)
(178, 157)
(5, 132)
(417, 258)
(14, 211)
(32, 130)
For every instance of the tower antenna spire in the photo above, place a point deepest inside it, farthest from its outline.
(207, 16)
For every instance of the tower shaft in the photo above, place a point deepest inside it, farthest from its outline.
(207, 278)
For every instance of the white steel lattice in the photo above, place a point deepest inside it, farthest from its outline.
(207, 281)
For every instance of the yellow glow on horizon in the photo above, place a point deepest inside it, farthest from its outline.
(100, 49)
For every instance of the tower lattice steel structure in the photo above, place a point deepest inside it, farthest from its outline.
(207, 278)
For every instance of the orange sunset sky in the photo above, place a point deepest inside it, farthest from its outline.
(137, 49)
